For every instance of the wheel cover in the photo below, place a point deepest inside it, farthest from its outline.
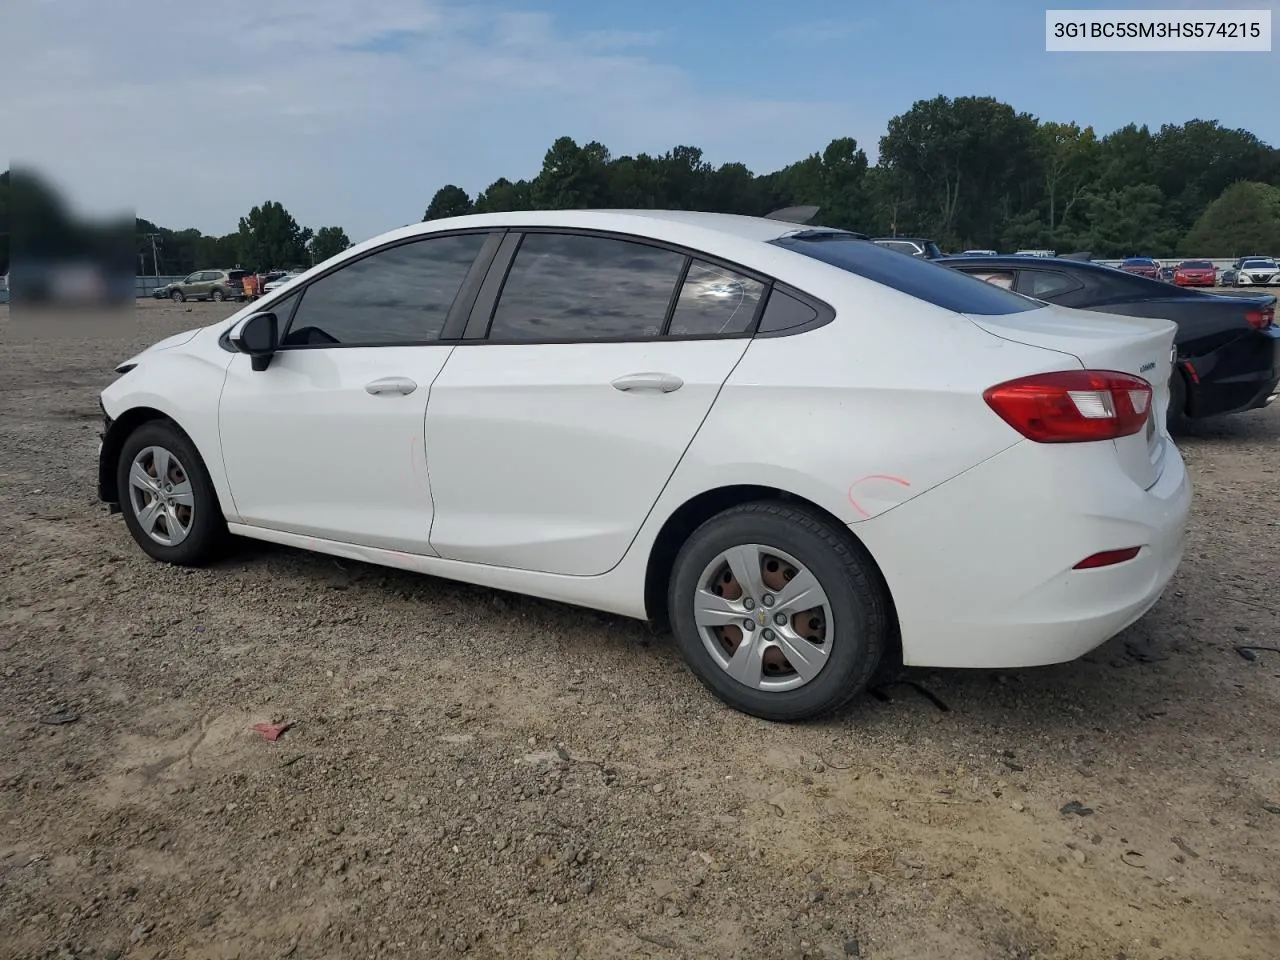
(763, 617)
(161, 496)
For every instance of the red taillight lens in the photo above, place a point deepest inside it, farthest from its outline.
(1262, 318)
(1073, 406)
(1107, 558)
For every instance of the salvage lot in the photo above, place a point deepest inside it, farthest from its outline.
(480, 772)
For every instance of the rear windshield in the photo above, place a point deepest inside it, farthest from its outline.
(236, 274)
(916, 277)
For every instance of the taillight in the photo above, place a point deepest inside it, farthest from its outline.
(1261, 318)
(1073, 406)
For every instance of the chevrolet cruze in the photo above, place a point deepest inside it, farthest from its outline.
(803, 452)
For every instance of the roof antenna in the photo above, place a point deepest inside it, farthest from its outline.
(794, 214)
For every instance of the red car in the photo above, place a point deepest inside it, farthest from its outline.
(1195, 273)
(1142, 266)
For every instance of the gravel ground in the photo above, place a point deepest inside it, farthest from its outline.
(469, 772)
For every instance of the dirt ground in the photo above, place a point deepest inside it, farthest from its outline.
(469, 772)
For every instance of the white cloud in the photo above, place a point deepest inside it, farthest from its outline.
(348, 113)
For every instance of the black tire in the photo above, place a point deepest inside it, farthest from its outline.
(217, 296)
(1177, 416)
(857, 596)
(207, 535)
(177, 296)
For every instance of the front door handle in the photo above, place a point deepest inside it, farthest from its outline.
(400, 385)
(666, 382)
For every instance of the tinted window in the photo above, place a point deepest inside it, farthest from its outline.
(784, 311)
(1042, 285)
(715, 300)
(999, 278)
(922, 279)
(565, 287)
(398, 295)
(900, 246)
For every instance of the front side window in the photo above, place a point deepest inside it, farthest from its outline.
(715, 301)
(570, 287)
(398, 295)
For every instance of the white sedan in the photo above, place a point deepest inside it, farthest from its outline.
(805, 453)
(1258, 271)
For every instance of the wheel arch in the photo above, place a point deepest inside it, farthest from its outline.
(113, 440)
(693, 512)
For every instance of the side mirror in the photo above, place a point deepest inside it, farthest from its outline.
(257, 335)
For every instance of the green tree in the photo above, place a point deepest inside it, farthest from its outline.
(1245, 219)
(270, 238)
(502, 196)
(328, 242)
(1130, 222)
(572, 177)
(1194, 162)
(449, 201)
(967, 159)
(1068, 157)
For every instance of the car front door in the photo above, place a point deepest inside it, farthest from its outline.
(187, 285)
(328, 440)
(551, 438)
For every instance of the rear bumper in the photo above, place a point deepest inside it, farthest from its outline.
(1236, 377)
(980, 568)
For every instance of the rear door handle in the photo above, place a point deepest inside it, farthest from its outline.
(401, 385)
(666, 382)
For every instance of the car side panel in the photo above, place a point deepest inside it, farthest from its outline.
(838, 434)
(184, 387)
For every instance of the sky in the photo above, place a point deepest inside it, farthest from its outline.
(354, 112)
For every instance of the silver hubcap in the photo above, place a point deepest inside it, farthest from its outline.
(161, 496)
(763, 617)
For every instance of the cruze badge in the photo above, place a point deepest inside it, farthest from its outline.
(1148, 366)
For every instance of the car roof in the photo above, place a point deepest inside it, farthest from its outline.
(1013, 261)
(729, 224)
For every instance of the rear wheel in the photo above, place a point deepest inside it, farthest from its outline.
(167, 498)
(218, 296)
(778, 613)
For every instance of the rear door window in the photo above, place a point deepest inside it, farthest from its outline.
(923, 279)
(1045, 284)
(570, 287)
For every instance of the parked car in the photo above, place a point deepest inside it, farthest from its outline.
(1228, 356)
(980, 253)
(915, 246)
(1258, 271)
(1195, 273)
(1141, 267)
(215, 285)
(279, 280)
(805, 453)
(1227, 278)
(1166, 273)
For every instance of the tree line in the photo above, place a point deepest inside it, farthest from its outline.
(968, 172)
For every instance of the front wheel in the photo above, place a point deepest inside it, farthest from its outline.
(177, 296)
(781, 615)
(167, 497)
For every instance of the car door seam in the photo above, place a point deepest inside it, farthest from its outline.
(679, 460)
(426, 451)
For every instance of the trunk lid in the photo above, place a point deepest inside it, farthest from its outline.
(1141, 346)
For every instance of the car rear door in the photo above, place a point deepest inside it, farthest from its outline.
(589, 366)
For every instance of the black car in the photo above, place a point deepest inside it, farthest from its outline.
(914, 246)
(1228, 347)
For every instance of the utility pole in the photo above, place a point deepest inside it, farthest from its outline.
(155, 260)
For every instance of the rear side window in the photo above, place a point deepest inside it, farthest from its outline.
(571, 287)
(1042, 284)
(923, 279)
(399, 295)
(715, 301)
